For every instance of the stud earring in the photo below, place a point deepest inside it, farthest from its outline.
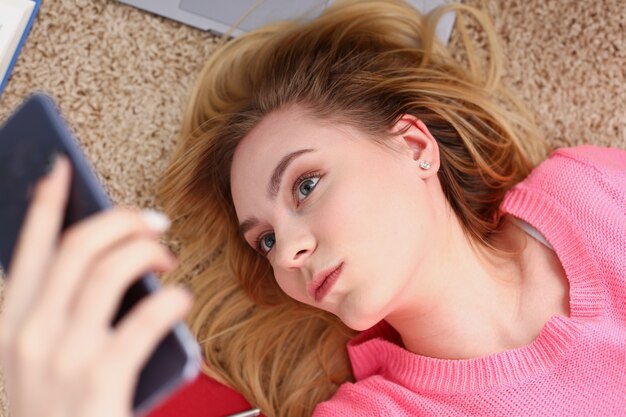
(424, 164)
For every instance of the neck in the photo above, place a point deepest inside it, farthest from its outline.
(476, 306)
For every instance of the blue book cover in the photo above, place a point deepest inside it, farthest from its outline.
(19, 45)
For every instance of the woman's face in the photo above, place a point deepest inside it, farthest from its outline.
(340, 200)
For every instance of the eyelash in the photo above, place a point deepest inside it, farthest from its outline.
(294, 189)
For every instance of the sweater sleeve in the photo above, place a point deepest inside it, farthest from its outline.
(588, 183)
(373, 396)
(347, 402)
(608, 163)
(343, 404)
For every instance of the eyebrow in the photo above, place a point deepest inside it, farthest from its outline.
(274, 185)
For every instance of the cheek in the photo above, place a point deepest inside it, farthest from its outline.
(293, 286)
(383, 236)
(379, 219)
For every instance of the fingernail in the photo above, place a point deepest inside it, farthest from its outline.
(156, 220)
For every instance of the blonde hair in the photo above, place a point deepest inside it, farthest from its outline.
(363, 63)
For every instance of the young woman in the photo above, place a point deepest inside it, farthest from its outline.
(369, 228)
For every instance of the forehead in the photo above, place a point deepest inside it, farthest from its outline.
(279, 133)
(276, 135)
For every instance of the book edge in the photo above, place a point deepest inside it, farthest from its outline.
(26, 31)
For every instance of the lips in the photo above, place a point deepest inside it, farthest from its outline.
(323, 281)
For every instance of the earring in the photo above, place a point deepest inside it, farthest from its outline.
(424, 164)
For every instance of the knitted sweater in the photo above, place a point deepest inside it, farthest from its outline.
(576, 366)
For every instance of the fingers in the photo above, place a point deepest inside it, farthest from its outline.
(109, 280)
(100, 296)
(81, 247)
(137, 336)
(64, 286)
(35, 246)
(46, 271)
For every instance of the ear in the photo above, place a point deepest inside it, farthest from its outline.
(417, 143)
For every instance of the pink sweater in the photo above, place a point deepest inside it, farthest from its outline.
(577, 365)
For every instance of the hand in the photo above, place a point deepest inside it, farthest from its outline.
(60, 356)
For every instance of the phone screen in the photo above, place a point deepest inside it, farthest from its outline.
(28, 138)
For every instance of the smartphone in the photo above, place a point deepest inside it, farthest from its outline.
(28, 138)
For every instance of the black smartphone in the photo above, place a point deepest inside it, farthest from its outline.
(28, 138)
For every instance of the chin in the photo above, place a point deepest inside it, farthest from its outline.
(359, 322)
(360, 311)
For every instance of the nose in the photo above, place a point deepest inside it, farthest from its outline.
(294, 245)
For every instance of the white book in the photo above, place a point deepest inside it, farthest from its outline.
(14, 17)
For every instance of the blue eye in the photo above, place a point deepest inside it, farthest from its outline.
(305, 185)
(263, 240)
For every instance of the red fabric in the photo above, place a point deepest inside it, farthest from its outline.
(204, 397)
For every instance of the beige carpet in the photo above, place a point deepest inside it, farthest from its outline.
(121, 76)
